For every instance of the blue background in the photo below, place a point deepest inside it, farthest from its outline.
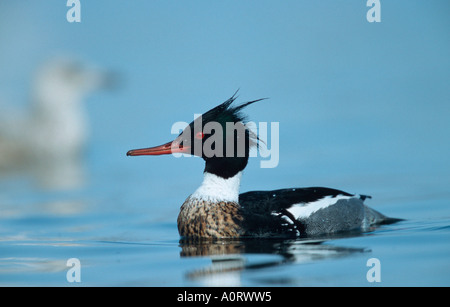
(362, 107)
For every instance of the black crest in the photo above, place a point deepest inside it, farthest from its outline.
(232, 155)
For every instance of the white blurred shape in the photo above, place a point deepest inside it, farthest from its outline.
(50, 135)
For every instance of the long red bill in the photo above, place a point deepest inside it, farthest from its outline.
(165, 149)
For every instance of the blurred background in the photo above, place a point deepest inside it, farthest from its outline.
(363, 107)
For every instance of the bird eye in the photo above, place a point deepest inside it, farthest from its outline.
(199, 135)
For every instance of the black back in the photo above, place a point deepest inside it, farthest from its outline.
(274, 201)
(265, 212)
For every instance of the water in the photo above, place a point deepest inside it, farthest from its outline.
(124, 239)
(362, 107)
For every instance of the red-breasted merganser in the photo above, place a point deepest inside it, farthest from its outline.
(217, 210)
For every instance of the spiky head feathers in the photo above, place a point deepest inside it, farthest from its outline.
(221, 137)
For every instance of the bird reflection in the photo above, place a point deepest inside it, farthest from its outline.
(48, 138)
(229, 258)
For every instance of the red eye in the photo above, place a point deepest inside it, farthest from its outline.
(199, 135)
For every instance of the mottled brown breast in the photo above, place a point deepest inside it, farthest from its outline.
(201, 219)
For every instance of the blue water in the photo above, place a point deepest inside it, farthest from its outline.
(124, 241)
(362, 107)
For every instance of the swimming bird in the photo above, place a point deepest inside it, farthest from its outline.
(217, 209)
(54, 125)
(46, 139)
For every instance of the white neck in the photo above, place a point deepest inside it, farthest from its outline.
(215, 188)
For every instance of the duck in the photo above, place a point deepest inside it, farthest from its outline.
(46, 139)
(217, 209)
(55, 125)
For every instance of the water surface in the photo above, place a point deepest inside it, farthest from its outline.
(362, 107)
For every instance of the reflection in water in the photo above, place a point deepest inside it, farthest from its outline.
(230, 257)
(48, 138)
(29, 264)
(46, 209)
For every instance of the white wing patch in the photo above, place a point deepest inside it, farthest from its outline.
(305, 210)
